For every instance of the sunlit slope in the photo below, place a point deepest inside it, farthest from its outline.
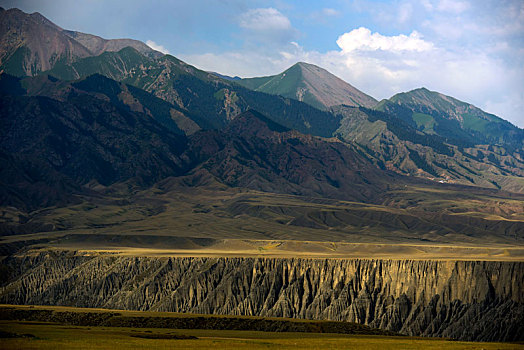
(310, 84)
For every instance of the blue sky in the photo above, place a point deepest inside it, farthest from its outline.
(470, 49)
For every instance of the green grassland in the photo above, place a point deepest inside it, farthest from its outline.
(20, 334)
(424, 122)
(50, 336)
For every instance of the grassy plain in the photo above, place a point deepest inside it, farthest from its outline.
(44, 335)
(51, 336)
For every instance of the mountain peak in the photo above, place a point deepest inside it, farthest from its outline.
(24, 52)
(425, 96)
(454, 119)
(311, 84)
(312, 69)
(309, 66)
(97, 45)
(305, 64)
(422, 89)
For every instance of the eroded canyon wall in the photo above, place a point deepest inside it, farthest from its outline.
(469, 300)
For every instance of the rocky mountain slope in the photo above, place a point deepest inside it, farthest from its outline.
(83, 138)
(459, 122)
(255, 152)
(97, 45)
(394, 141)
(398, 145)
(30, 43)
(123, 96)
(465, 300)
(212, 101)
(98, 131)
(310, 84)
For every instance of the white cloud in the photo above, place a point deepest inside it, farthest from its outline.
(361, 39)
(264, 19)
(157, 47)
(267, 25)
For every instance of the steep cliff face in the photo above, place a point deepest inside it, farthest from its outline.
(470, 300)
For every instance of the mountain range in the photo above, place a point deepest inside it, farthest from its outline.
(96, 130)
(81, 114)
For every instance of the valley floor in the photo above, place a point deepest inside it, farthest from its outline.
(415, 223)
(189, 247)
(47, 335)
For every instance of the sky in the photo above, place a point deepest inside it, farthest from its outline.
(472, 50)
